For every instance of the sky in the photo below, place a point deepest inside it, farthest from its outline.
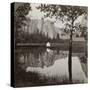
(36, 14)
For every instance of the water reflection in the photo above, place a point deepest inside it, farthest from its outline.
(40, 57)
(49, 62)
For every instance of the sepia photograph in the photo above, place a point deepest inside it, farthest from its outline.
(50, 44)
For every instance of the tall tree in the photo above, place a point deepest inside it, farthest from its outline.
(20, 12)
(68, 15)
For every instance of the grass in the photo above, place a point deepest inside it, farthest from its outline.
(83, 60)
(25, 79)
(84, 64)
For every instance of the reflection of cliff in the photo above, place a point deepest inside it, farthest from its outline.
(39, 57)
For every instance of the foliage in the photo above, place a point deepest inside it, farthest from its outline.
(67, 14)
(20, 18)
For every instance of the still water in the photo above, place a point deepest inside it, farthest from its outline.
(49, 62)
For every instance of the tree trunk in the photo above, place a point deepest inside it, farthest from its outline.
(70, 56)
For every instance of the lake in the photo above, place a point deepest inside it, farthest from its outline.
(47, 66)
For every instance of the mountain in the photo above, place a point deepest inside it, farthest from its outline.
(47, 28)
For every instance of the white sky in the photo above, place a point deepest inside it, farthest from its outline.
(36, 14)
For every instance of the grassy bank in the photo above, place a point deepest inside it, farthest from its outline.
(24, 79)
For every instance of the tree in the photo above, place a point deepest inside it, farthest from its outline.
(83, 28)
(68, 15)
(58, 37)
(21, 10)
